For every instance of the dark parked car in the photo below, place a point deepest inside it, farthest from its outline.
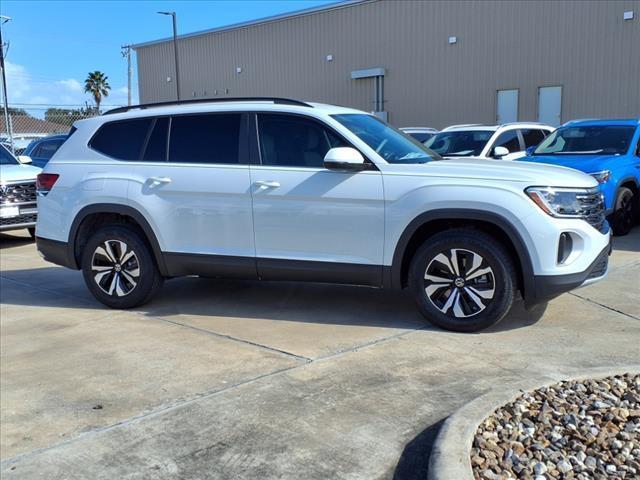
(42, 149)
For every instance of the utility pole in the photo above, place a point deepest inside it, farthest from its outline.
(126, 52)
(7, 121)
(175, 50)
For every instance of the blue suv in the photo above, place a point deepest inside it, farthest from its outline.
(608, 150)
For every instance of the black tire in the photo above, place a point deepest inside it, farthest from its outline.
(115, 283)
(449, 303)
(32, 232)
(625, 211)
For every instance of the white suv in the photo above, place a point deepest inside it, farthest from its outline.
(505, 142)
(277, 189)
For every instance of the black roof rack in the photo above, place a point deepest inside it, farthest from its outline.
(277, 100)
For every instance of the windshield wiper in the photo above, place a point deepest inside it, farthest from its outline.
(583, 152)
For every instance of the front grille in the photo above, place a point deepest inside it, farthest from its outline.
(19, 220)
(15, 193)
(592, 208)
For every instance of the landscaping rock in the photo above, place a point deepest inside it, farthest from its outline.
(572, 430)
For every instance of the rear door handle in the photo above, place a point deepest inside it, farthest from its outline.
(159, 180)
(267, 184)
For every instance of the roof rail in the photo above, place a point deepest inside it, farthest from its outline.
(464, 125)
(522, 122)
(275, 100)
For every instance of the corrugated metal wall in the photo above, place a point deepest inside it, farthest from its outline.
(586, 47)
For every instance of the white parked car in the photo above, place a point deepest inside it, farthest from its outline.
(505, 142)
(422, 134)
(18, 207)
(285, 190)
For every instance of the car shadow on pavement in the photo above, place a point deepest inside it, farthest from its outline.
(414, 461)
(8, 241)
(245, 299)
(629, 242)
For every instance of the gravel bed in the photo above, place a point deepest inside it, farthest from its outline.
(587, 429)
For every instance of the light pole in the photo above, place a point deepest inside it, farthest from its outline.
(7, 122)
(126, 52)
(175, 50)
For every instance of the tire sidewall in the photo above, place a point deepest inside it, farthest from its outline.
(497, 258)
(619, 228)
(148, 270)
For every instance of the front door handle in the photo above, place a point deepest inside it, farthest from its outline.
(267, 184)
(159, 180)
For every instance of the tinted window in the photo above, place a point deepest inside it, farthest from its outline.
(508, 140)
(156, 150)
(532, 137)
(122, 140)
(211, 138)
(459, 143)
(588, 140)
(6, 158)
(46, 149)
(294, 141)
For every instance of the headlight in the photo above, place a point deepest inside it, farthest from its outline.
(602, 176)
(558, 202)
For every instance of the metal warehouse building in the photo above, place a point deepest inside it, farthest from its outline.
(420, 63)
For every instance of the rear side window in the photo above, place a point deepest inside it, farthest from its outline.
(210, 138)
(532, 138)
(122, 140)
(47, 149)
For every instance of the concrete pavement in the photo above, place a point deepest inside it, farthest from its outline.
(239, 379)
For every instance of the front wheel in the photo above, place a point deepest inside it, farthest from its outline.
(118, 267)
(624, 213)
(463, 280)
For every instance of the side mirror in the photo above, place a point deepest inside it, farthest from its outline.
(500, 152)
(529, 151)
(344, 159)
(24, 159)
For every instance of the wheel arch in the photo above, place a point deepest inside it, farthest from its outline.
(429, 223)
(100, 214)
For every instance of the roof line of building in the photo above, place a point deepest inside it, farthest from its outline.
(250, 23)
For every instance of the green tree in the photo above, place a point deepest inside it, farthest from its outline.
(97, 85)
(66, 116)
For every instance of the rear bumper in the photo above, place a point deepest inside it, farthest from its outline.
(547, 287)
(56, 252)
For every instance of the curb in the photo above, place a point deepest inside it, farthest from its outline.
(450, 457)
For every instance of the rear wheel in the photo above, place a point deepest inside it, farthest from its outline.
(119, 269)
(624, 213)
(463, 280)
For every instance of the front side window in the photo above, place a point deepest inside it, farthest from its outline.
(6, 158)
(391, 144)
(122, 140)
(508, 140)
(205, 138)
(293, 141)
(590, 140)
(532, 137)
(461, 143)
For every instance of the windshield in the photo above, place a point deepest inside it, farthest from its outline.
(391, 144)
(461, 143)
(6, 158)
(595, 140)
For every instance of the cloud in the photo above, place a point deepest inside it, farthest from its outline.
(35, 93)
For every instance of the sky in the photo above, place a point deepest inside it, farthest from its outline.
(52, 45)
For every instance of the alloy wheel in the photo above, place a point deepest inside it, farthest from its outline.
(115, 268)
(460, 283)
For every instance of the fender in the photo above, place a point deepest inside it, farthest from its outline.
(120, 210)
(464, 214)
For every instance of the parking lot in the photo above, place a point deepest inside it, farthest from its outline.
(235, 379)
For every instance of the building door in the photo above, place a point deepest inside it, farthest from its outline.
(507, 108)
(550, 105)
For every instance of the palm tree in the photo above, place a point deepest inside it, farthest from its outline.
(97, 85)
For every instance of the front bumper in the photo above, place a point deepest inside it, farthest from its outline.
(25, 219)
(547, 287)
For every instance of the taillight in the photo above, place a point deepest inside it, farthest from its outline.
(45, 182)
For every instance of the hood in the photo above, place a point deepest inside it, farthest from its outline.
(537, 174)
(584, 163)
(15, 173)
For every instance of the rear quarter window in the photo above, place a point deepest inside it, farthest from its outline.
(122, 140)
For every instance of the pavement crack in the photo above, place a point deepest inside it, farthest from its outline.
(606, 307)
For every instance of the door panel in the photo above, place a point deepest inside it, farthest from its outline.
(507, 108)
(550, 105)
